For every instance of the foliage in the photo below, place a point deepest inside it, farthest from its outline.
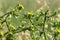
(42, 26)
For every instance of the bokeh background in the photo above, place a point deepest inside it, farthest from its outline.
(30, 4)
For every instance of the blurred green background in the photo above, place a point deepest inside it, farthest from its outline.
(30, 4)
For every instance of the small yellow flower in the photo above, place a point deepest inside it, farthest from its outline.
(13, 27)
(10, 33)
(29, 13)
(58, 31)
(20, 7)
(1, 33)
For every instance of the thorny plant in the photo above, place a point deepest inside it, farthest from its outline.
(41, 20)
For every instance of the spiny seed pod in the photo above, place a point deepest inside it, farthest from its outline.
(10, 34)
(20, 7)
(13, 27)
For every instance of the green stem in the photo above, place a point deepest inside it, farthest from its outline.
(17, 31)
(44, 24)
(52, 15)
(5, 14)
(6, 21)
(44, 27)
(32, 23)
